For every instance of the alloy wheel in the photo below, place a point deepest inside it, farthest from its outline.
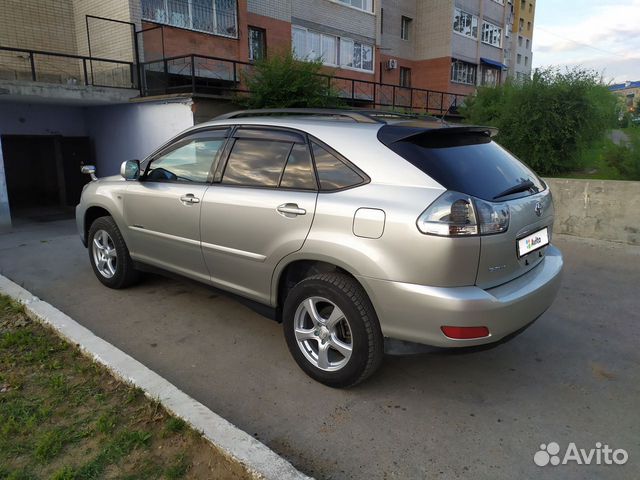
(323, 334)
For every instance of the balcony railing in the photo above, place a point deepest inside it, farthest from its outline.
(219, 17)
(62, 68)
(223, 78)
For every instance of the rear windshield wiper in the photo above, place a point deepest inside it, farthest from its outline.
(521, 187)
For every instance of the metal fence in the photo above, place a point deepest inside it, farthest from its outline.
(224, 78)
(61, 68)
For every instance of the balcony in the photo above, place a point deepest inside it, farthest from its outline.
(222, 78)
(218, 17)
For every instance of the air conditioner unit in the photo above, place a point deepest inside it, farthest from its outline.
(392, 64)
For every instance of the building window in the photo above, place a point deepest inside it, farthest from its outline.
(531, 8)
(310, 45)
(381, 21)
(490, 76)
(521, 25)
(211, 16)
(526, 61)
(465, 23)
(366, 5)
(519, 40)
(528, 43)
(519, 59)
(492, 34)
(528, 26)
(331, 50)
(523, 3)
(257, 43)
(356, 55)
(463, 72)
(405, 28)
(405, 77)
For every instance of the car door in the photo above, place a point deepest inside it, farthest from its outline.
(258, 210)
(162, 209)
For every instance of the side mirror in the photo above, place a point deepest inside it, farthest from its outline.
(130, 170)
(89, 170)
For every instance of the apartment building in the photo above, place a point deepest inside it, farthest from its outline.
(69, 95)
(445, 45)
(521, 55)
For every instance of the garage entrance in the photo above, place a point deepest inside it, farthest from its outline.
(43, 175)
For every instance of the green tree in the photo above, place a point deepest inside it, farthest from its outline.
(282, 81)
(546, 121)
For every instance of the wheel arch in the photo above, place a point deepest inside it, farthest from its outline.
(90, 215)
(288, 274)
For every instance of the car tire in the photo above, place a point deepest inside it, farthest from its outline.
(109, 255)
(318, 335)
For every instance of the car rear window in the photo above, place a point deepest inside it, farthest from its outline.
(467, 162)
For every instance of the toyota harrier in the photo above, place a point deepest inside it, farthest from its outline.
(352, 227)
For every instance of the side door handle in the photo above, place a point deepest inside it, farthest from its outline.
(189, 199)
(291, 210)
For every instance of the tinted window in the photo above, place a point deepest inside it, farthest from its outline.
(256, 162)
(299, 170)
(469, 163)
(332, 172)
(190, 161)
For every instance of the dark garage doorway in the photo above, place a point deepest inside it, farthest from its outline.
(43, 176)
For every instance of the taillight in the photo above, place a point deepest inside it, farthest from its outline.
(455, 214)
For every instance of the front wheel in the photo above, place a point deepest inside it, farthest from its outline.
(109, 254)
(332, 330)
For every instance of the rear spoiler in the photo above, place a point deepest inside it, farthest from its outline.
(391, 134)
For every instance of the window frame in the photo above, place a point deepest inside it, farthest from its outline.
(469, 66)
(405, 27)
(349, 4)
(190, 27)
(178, 142)
(263, 31)
(473, 17)
(407, 74)
(340, 43)
(490, 33)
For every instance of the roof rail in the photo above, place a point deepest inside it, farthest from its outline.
(356, 116)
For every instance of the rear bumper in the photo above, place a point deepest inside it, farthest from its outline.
(415, 313)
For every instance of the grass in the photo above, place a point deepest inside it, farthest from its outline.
(594, 160)
(63, 417)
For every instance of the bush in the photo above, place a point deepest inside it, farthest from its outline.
(281, 81)
(625, 159)
(546, 121)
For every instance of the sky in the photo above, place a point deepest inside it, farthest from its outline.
(602, 35)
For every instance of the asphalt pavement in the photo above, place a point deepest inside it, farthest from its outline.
(574, 376)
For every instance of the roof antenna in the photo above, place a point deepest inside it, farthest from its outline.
(442, 120)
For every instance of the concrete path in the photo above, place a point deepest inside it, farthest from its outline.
(572, 377)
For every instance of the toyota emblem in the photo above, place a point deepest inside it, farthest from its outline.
(538, 209)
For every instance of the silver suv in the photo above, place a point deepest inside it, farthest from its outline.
(352, 227)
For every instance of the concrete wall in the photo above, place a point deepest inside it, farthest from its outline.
(126, 132)
(600, 209)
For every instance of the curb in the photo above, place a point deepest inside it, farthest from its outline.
(260, 461)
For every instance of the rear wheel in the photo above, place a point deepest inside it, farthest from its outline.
(109, 254)
(332, 330)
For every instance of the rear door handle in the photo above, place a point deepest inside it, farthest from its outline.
(291, 210)
(189, 199)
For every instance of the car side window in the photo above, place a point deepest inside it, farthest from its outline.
(190, 161)
(298, 173)
(255, 162)
(333, 173)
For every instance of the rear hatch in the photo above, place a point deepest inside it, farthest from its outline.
(466, 160)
